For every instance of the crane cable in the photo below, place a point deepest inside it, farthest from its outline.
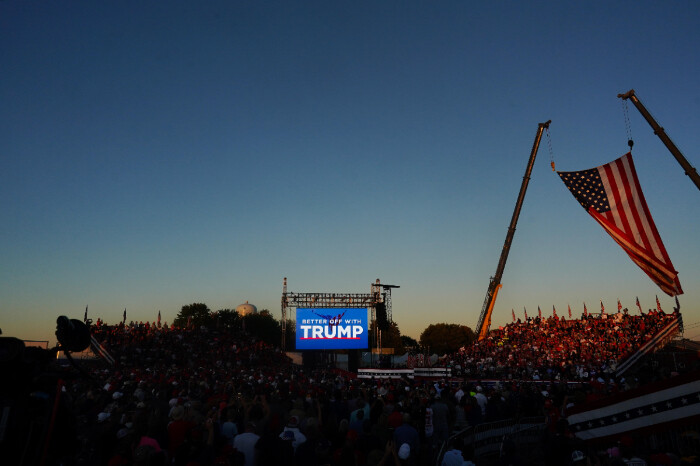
(628, 126)
(551, 153)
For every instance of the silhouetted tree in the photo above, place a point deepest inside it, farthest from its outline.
(197, 314)
(263, 326)
(446, 338)
(227, 319)
(291, 335)
(391, 337)
(408, 342)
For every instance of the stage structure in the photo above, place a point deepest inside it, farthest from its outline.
(378, 300)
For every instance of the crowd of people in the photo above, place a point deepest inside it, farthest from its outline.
(199, 396)
(541, 349)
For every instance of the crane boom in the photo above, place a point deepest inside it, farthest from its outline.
(495, 283)
(659, 131)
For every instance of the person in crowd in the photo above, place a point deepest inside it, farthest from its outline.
(442, 417)
(407, 434)
(245, 443)
(292, 432)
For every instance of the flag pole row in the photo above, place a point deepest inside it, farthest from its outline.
(585, 309)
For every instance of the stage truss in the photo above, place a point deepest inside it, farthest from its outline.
(379, 293)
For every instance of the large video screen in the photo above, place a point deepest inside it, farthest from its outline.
(332, 328)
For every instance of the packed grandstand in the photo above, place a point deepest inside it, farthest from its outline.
(524, 395)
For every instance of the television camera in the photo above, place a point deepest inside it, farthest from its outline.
(37, 425)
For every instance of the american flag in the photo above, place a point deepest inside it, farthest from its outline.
(569, 306)
(612, 195)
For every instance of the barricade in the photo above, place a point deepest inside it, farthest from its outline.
(487, 439)
(432, 372)
(384, 373)
(682, 440)
(418, 372)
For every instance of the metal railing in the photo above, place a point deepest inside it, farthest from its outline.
(486, 439)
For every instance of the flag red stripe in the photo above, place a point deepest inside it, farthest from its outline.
(633, 202)
(627, 243)
(646, 224)
(629, 222)
(668, 286)
(617, 212)
(659, 246)
(666, 279)
(624, 209)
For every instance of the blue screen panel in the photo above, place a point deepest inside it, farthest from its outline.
(332, 328)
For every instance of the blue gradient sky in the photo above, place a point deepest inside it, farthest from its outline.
(156, 154)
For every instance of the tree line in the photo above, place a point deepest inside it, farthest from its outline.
(440, 338)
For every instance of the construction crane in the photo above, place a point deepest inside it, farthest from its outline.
(659, 131)
(495, 283)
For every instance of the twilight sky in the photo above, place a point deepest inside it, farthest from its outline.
(156, 154)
